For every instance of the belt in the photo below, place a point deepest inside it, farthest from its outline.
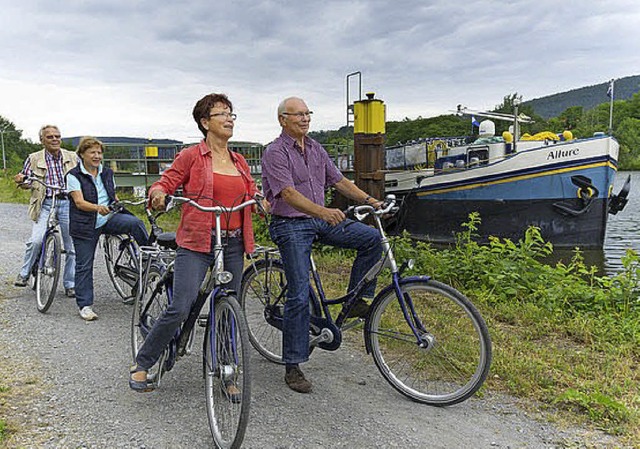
(291, 218)
(60, 196)
(224, 233)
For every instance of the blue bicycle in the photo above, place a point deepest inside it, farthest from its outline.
(427, 339)
(226, 339)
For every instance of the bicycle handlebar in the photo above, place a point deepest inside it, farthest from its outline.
(128, 203)
(30, 179)
(173, 201)
(388, 208)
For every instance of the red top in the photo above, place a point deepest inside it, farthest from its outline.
(229, 191)
(191, 169)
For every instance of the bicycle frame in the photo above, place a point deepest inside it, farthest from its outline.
(52, 224)
(331, 340)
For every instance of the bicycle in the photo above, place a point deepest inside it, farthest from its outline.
(427, 339)
(226, 341)
(46, 268)
(121, 251)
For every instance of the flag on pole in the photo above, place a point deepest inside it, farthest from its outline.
(474, 122)
(610, 90)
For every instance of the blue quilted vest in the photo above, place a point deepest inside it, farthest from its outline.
(82, 224)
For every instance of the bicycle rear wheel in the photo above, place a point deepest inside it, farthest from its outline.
(48, 271)
(262, 296)
(227, 373)
(147, 309)
(122, 264)
(454, 359)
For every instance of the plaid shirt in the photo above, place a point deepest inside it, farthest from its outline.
(55, 173)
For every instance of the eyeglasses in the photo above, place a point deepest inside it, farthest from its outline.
(53, 136)
(225, 115)
(299, 115)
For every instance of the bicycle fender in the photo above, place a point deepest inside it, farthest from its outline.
(386, 290)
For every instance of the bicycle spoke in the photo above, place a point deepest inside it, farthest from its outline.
(48, 271)
(227, 376)
(449, 362)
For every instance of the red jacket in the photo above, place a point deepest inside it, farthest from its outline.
(191, 169)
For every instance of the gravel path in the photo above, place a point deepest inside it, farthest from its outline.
(75, 378)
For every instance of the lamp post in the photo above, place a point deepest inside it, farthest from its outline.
(4, 159)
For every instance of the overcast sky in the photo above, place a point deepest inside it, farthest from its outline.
(136, 68)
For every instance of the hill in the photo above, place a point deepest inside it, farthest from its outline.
(588, 97)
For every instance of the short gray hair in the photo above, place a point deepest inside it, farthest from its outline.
(41, 132)
(282, 106)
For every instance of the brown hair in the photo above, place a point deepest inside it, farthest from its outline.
(203, 107)
(86, 143)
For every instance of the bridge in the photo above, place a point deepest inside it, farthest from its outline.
(137, 162)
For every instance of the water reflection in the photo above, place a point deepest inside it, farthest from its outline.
(623, 229)
(623, 232)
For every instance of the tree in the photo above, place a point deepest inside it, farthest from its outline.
(628, 135)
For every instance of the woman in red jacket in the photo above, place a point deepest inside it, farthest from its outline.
(212, 175)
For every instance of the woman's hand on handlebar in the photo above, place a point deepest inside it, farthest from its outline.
(103, 210)
(158, 200)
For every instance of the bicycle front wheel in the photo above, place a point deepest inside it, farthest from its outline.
(451, 361)
(147, 309)
(227, 373)
(48, 271)
(122, 264)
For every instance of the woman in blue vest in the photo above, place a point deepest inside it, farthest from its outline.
(92, 189)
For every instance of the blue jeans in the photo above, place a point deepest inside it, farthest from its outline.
(37, 235)
(86, 251)
(189, 269)
(294, 237)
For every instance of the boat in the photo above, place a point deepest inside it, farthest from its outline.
(561, 184)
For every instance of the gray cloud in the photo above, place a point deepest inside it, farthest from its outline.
(137, 67)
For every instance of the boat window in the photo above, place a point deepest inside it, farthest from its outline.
(478, 156)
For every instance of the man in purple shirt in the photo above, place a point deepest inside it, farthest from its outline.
(296, 170)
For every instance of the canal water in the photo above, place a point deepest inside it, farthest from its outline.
(623, 229)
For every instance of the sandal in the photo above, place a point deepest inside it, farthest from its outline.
(231, 391)
(141, 386)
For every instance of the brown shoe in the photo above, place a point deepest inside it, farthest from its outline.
(360, 309)
(296, 381)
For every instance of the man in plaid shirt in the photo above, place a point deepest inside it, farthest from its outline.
(50, 164)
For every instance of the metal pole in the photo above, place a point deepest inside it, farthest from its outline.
(611, 108)
(4, 159)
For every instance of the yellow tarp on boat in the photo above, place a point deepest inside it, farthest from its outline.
(544, 135)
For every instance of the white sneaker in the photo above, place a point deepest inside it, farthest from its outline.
(88, 314)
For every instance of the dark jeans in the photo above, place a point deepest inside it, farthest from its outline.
(294, 237)
(190, 269)
(86, 251)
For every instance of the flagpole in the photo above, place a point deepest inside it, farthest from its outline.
(611, 107)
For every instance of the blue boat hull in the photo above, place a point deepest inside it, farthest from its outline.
(548, 199)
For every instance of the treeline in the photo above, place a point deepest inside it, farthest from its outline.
(588, 97)
(17, 148)
(582, 122)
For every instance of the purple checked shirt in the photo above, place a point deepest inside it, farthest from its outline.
(284, 165)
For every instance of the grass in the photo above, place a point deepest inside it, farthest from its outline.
(566, 341)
